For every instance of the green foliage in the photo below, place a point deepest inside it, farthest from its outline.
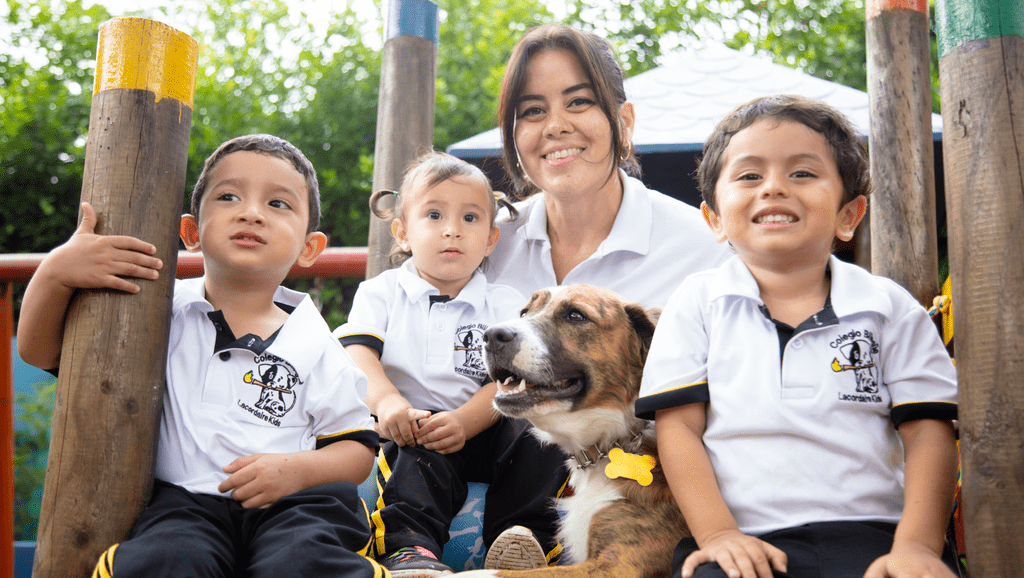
(825, 38)
(645, 29)
(45, 93)
(31, 447)
(475, 41)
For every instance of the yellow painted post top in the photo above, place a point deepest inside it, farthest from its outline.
(136, 53)
(875, 7)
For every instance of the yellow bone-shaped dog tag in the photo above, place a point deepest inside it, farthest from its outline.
(631, 466)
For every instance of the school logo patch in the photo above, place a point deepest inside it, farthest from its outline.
(277, 380)
(469, 347)
(856, 352)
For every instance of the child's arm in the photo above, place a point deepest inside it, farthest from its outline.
(259, 480)
(396, 417)
(929, 484)
(86, 261)
(695, 487)
(447, 431)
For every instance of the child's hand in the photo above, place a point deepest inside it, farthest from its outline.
(91, 261)
(739, 555)
(443, 432)
(396, 420)
(259, 480)
(909, 561)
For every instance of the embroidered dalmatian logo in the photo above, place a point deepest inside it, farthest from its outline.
(469, 346)
(277, 380)
(857, 353)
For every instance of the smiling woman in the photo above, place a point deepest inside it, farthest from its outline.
(566, 132)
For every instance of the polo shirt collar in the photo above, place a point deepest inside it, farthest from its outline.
(630, 231)
(417, 288)
(733, 278)
(300, 340)
(192, 293)
(296, 341)
(853, 289)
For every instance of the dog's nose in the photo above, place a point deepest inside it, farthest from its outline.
(499, 334)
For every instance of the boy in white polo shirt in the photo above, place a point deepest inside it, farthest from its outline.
(263, 437)
(779, 382)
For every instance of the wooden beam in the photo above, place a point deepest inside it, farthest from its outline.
(110, 390)
(981, 65)
(904, 244)
(405, 111)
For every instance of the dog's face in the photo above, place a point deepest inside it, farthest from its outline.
(573, 347)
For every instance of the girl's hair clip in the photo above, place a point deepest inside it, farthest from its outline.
(502, 200)
(375, 200)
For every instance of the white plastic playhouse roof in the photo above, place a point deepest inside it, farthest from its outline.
(678, 103)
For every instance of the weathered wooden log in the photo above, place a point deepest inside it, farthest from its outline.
(405, 109)
(904, 244)
(981, 65)
(110, 390)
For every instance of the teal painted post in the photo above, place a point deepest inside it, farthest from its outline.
(981, 67)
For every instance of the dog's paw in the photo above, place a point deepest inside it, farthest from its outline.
(630, 466)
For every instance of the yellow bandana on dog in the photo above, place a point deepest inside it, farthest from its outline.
(631, 466)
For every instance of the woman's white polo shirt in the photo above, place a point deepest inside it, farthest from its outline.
(655, 242)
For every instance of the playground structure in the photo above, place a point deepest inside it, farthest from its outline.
(981, 65)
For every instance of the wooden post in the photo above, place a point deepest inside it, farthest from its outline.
(111, 384)
(981, 66)
(405, 110)
(904, 245)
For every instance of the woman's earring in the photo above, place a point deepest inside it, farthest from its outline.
(629, 152)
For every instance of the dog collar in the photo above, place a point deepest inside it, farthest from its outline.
(583, 457)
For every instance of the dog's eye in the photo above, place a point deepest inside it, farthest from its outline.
(524, 312)
(575, 316)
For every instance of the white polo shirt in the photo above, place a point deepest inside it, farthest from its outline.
(431, 348)
(230, 398)
(655, 242)
(809, 437)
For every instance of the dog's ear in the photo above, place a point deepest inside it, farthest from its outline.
(643, 321)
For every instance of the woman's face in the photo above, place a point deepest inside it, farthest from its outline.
(563, 138)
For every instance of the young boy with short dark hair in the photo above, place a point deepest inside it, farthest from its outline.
(779, 381)
(264, 433)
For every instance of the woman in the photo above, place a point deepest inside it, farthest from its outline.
(567, 128)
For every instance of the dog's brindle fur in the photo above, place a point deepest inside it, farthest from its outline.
(572, 366)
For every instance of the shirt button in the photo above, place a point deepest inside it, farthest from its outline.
(225, 355)
(797, 343)
(440, 326)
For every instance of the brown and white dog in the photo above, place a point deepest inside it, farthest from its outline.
(571, 364)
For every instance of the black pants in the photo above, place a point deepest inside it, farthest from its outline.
(423, 490)
(320, 531)
(820, 550)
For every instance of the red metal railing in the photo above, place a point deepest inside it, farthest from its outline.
(334, 263)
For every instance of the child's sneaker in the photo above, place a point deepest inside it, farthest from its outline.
(413, 562)
(515, 549)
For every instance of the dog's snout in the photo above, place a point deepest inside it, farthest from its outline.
(499, 335)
